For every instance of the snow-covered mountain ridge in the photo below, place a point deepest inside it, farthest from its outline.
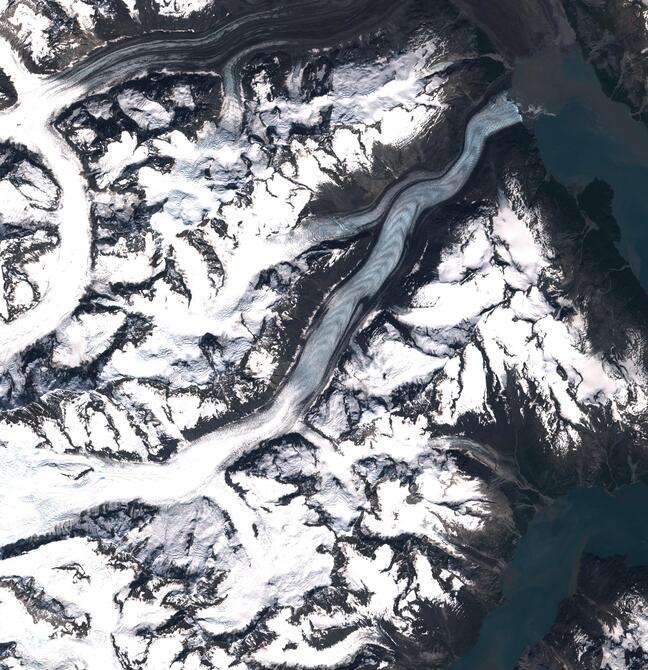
(296, 335)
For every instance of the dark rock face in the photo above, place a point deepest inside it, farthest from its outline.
(614, 36)
(8, 96)
(602, 625)
(519, 30)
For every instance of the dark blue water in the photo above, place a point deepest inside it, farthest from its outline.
(545, 567)
(592, 137)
